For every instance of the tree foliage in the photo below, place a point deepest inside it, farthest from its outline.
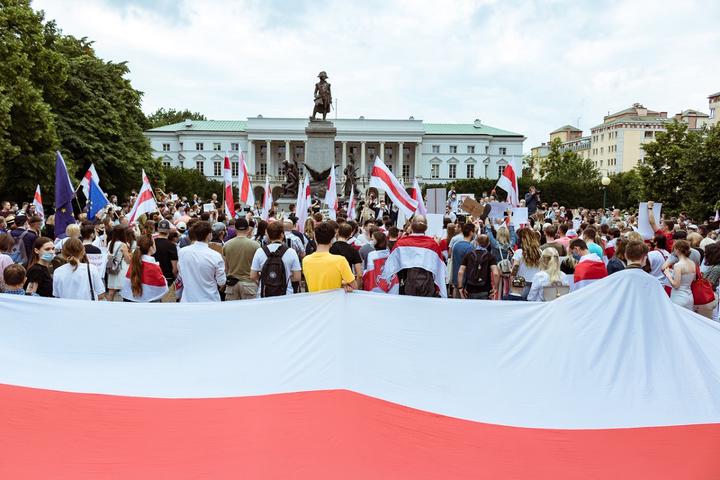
(162, 117)
(189, 181)
(567, 166)
(55, 93)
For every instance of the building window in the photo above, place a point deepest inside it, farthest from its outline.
(200, 166)
(601, 150)
(712, 113)
(435, 171)
(199, 146)
(281, 169)
(388, 153)
(471, 171)
(389, 166)
(452, 171)
(166, 147)
(453, 148)
(234, 147)
(503, 151)
(649, 134)
(471, 149)
(263, 169)
(406, 171)
(181, 145)
(217, 146)
(436, 149)
(487, 149)
(217, 169)
(602, 137)
(235, 166)
(371, 150)
(501, 169)
(166, 164)
(299, 151)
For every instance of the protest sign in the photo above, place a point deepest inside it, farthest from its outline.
(644, 227)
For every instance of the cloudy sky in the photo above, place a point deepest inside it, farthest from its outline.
(525, 66)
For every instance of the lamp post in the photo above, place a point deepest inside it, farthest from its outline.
(605, 182)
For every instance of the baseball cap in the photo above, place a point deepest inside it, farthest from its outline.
(163, 226)
(181, 226)
(218, 227)
(241, 224)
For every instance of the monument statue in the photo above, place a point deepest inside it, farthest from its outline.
(292, 178)
(318, 180)
(323, 97)
(350, 173)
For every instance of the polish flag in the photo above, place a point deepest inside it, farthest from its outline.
(303, 203)
(37, 203)
(246, 193)
(417, 250)
(267, 199)
(372, 277)
(91, 174)
(593, 385)
(508, 182)
(331, 195)
(383, 179)
(145, 201)
(229, 200)
(154, 285)
(589, 269)
(417, 196)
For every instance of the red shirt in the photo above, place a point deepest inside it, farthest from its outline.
(668, 238)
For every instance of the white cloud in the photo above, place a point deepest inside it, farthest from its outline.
(523, 66)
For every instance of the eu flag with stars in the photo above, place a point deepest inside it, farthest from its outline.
(97, 200)
(64, 193)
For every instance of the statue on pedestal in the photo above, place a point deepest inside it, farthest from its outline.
(323, 97)
(292, 178)
(350, 173)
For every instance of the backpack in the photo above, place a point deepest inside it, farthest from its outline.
(477, 270)
(18, 252)
(273, 279)
(419, 283)
(505, 265)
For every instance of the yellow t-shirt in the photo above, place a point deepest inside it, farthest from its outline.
(325, 271)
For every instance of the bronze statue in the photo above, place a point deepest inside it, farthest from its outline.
(323, 97)
(350, 173)
(292, 178)
(318, 181)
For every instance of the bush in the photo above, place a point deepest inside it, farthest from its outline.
(188, 181)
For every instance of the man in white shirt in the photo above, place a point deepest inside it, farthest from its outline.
(202, 269)
(293, 269)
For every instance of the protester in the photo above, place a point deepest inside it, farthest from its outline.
(526, 260)
(25, 233)
(458, 258)
(590, 267)
(682, 275)
(275, 267)
(636, 254)
(201, 268)
(239, 253)
(6, 244)
(13, 279)
(352, 255)
(372, 275)
(324, 270)
(145, 281)
(166, 252)
(39, 276)
(549, 275)
(617, 262)
(478, 273)
(550, 231)
(77, 279)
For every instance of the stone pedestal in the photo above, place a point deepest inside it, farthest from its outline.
(319, 153)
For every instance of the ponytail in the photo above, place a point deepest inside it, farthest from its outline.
(74, 251)
(144, 244)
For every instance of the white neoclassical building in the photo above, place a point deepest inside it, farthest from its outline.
(432, 152)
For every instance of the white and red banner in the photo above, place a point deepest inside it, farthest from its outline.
(145, 201)
(508, 182)
(417, 196)
(331, 195)
(228, 192)
(372, 276)
(303, 203)
(267, 199)
(352, 203)
(588, 270)
(37, 203)
(594, 385)
(154, 285)
(91, 174)
(383, 179)
(418, 251)
(244, 185)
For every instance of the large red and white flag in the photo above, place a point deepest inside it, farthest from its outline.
(588, 270)
(383, 179)
(267, 199)
(508, 182)
(154, 285)
(418, 251)
(91, 174)
(594, 385)
(246, 193)
(331, 195)
(37, 203)
(352, 203)
(417, 196)
(303, 203)
(229, 200)
(145, 201)
(373, 280)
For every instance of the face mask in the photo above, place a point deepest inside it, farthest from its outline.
(47, 256)
(576, 256)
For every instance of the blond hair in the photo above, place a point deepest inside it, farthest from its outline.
(73, 230)
(550, 263)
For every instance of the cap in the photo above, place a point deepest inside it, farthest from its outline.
(163, 226)
(181, 226)
(218, 227)
(241, 224)
(571, 233)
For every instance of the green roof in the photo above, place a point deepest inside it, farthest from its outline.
(466, 129)
(566, 128)
(205, 126)
(634, 119)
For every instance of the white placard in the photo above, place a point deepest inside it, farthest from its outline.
(644, 221)
(435, 224)
(462, 196)
(209, 207)
(576, 223)
(498, 209)
(520, 216)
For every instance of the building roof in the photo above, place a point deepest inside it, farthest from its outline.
(634, 119)
(466, 129)
(714, 95)
(566, 128)
(692, 112)
(204, 126)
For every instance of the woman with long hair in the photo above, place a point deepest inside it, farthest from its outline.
(549, 275)
(39, 274)
(6, 245)
(501, 248)
(119, 255)
(617, 262)
(309, 233)
(681, 275)
(260, 232)
(144, 281)
(526, 259)
(77, 279)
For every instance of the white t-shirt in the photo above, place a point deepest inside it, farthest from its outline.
(71, 282)
(524, 270)
(290, 260)
(540, 280)
(656, 259)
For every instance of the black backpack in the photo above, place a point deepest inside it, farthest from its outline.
(476, 273)
(273, 280)
(419, 283)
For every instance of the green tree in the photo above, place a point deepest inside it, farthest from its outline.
(189, 181)
(162, 117)
(567, 166)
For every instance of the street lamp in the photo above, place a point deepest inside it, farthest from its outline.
(605, 182)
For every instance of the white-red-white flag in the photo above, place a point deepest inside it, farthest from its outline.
(227, 178)
(351, 205)
(382, 178)
(508, 182)
(91, 174)
(145, 201)
(37, 203)
(588, 270)
(419, 251)
(372, 276)
(417, 196)
(246, 193)
(331, 195)
(267, 199)
(303, 203)
(717, 215)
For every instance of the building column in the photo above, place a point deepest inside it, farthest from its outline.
(304, 153)
(363, 168)
(400, 161)
(268, 157)
(381, 153)
(287, 150)
(343, 162)
(251, 159)
(418, 158)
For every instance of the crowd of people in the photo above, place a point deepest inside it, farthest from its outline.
(188, 252)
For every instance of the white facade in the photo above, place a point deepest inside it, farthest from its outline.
(434, 153)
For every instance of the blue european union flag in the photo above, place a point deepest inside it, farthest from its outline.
(97, 200)
(64, 193)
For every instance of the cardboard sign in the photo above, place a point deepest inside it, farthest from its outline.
(644, 227)
(209, 207)
(498, 209)
(471, 206)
